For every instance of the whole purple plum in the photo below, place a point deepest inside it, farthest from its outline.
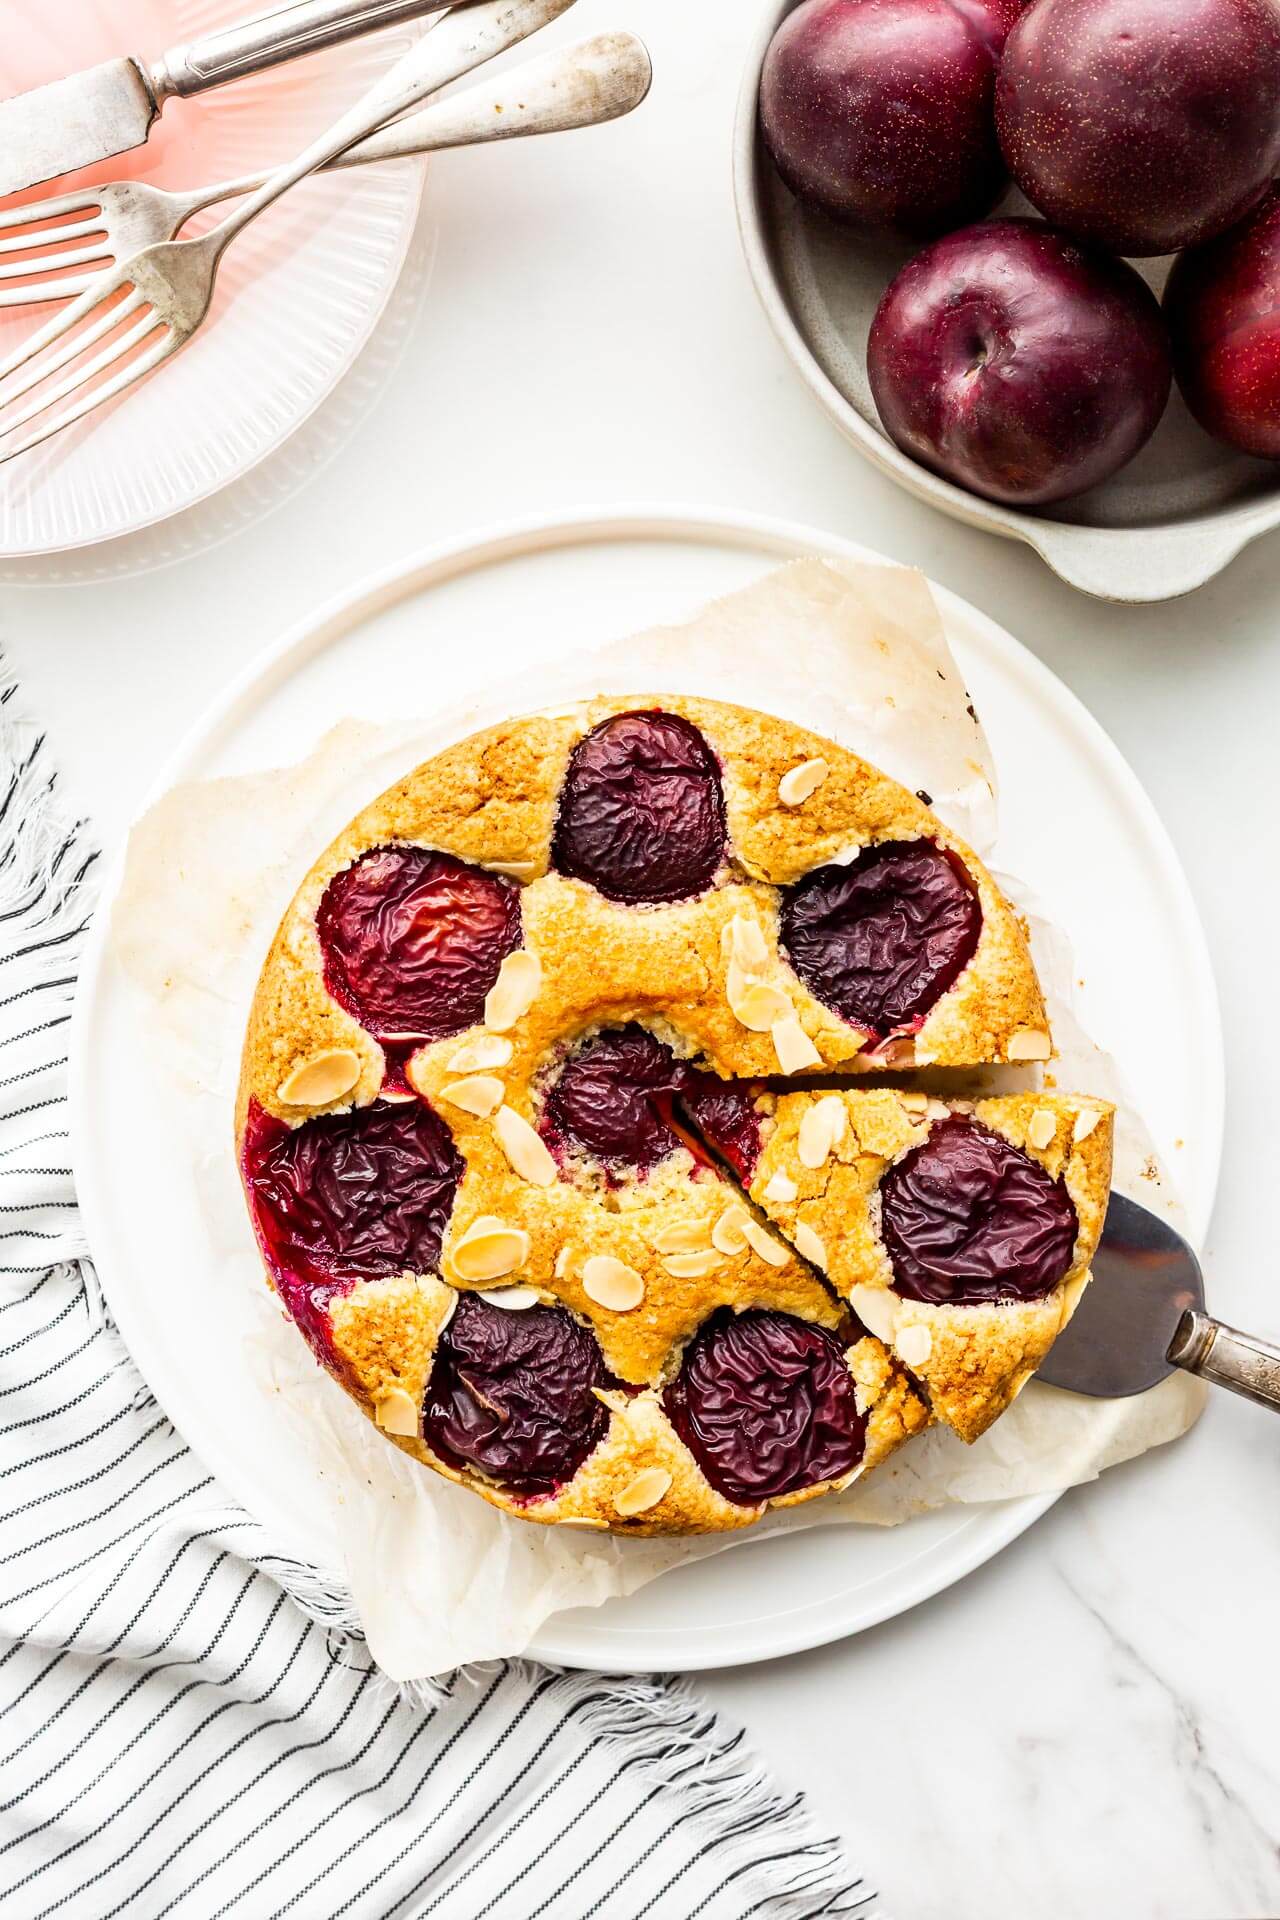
(881, 112)
(1142, 125)
(1017, 363)
(1222, 303)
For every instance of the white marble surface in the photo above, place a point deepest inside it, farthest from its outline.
(1089, 1726)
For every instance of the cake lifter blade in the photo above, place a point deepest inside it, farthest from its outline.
(1143, 1314)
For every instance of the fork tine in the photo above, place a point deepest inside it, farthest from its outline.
(56, 262)
(64, 325)
(50, 209)
(32, 292)
(100, 288)
(82, 375)
(74, 230)
(125, 378)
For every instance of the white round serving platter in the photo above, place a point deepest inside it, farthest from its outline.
(430, 632)
(298, 294)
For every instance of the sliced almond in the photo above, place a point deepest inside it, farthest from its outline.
(562, 1263)
(810, 1245)
(396, 1412)
(644, 1491)
(1041, 1128)
(877, 1308)
(480, 1093)
(451, 1307)
(511, 1299)
(798, 784)
(938, 1110)
(770, 1250)
(915, 1102)
(582, 1520)
(756, 1005)
(612, 1283)
(489, 1249)
(729, 1233)
(526, 1151)
(1029, 1043)
(324, 1077)
(1085, 1124)
(481, 1055)
(687, 1236)
(795, 1050)
(821, 1131)
(781, 1189)
(616, 1402)
(514, 869)
(514, 991)
(693, 1266)
(747, 944)
(914, 1345)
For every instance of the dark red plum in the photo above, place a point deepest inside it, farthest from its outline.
(510, 1394)
(765, 1404)
(723, 1113)
(641, 813)
(1222, 303)
(967, 1218)
(1144, 126)
(882, 939)
(881, 112)
(413, 940)
(1018, 364)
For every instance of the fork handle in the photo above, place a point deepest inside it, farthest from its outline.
(253, 46)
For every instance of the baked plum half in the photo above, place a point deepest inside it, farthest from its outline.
(881, 939)
(510, 1395)
(413, 939)
(347, 1197)
(968, 1218)
(765, 1404)
(641, 811)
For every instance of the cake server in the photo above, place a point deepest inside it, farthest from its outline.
(1143, 1314)
(111, 108)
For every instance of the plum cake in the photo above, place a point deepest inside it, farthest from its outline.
(529, 1130)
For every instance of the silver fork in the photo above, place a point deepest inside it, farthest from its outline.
(169, 285)
(580, 86)
(118, 219)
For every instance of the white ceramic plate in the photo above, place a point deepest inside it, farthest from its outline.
(297, 295)
(431, 632)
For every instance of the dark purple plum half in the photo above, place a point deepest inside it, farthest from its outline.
(641, 811)
(765, 1404)
(967, 1218)
(510, 1395)
(880, 940)
(413, 940)
(724, 1114)
(346, 1197)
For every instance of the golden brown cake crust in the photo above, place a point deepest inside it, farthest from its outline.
(678, 970)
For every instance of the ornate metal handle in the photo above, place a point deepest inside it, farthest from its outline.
(254, 45)
(1228, 1357)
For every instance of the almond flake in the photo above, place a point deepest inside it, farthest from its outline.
(876, 1307)
(752, 1002)
(480, 1093)
(514, 869)
(451, 1307)
(799, 783)
(938, 1110)
(1085, 1124)
(645, 1491)
(809, 1245)
(562, 1263)
(481, 1055)
(821, 1131)
(693, 1266)
(782, 1189)
(730, 1231)
(511, 1299)
(581, 1520)
(395, 1412)
(514, 991)
(687, 1236)
(770, 1250)
(794, 1048)
(1029, 1043)
(612, 1283)
(747, 944)
(914, 1345)
(1042, 1128)
(489, 1249)
(324, 1077)
(524, 1149)
(915, 1102)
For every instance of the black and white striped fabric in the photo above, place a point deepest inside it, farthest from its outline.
(191, 1725)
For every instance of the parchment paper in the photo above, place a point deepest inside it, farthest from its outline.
(438, 1577)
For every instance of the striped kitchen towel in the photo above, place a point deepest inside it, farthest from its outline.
(190, 1724)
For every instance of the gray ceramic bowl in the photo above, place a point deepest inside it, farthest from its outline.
(1167, 523)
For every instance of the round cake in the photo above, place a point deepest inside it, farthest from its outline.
(526, 1138)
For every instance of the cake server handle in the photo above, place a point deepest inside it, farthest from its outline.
(1228, 1358)
(252, 46)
